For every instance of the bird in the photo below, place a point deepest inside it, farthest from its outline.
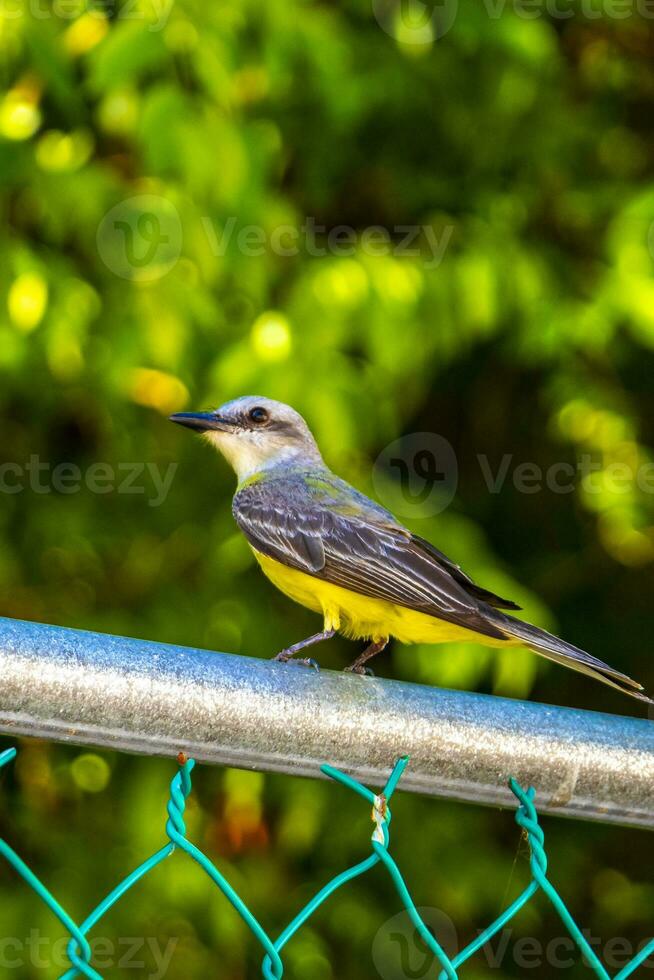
(337, 552)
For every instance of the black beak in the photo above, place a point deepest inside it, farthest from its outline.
(202, 421)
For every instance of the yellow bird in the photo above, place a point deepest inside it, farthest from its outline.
(335, 551)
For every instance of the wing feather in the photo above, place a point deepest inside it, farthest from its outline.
(460, 576)
(366, 552)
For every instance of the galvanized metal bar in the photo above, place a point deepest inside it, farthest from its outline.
(137, 696)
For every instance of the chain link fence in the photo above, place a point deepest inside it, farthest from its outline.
(272, 967)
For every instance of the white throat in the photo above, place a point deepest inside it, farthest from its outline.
(248, 456)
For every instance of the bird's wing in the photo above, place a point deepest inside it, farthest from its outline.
(274, 522)
(460, 576)
(358, 548)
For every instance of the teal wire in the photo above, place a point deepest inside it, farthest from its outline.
(110, 900)
(526, 816)
(7, 756)
(350, 873)
(44, 894)
(633, 965)
(176, 829)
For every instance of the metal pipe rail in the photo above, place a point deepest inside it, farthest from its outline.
(157, 699)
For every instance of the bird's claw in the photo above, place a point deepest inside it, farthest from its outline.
(361, 671)
(287, 658)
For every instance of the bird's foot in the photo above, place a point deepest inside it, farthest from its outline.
(287, 657)
(361, 671)
(371, 651)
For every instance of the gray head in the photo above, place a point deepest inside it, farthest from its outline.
(255, 433)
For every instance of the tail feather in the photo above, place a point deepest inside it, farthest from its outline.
(560, 652)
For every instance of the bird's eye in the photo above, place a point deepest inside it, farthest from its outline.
(258, 415)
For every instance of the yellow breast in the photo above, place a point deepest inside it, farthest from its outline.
(363, 617)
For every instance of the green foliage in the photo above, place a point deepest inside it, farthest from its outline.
(520, 148)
